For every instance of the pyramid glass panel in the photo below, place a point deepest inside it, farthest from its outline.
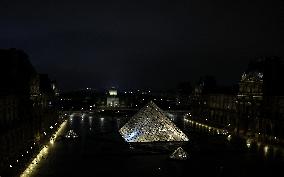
(179, 154)
(150, 124)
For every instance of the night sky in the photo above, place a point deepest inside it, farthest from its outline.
(146, 44)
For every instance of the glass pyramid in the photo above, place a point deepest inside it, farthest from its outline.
(179, 154)
(71, 134)
(150, 124)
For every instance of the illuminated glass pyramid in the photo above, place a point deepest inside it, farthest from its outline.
(151, 124)
(179, 154)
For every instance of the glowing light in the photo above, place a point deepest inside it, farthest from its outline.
(130, 136)
(53, 138)
(44, 133)
(71, 134)
(11, 166)
(248, 143)
(43, 152)
(266, 150)
(151, 124)
(179, 154)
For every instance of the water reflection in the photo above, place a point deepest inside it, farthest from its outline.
(229, 137)
(210, 154)
(251, 145)
(248, 142)
(90, 120)
(266, 148)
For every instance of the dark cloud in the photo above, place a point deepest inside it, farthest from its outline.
(142, 43)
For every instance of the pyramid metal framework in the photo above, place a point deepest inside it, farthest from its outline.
(179, 154)
(151, 124)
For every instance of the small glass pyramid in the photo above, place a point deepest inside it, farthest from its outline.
(71, 134)
(179, 154)
(150, 124)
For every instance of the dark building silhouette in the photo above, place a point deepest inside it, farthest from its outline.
(255, 108)
(25, 106)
